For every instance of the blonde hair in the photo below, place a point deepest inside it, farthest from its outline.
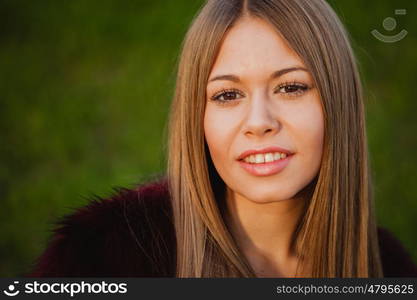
(337, 231)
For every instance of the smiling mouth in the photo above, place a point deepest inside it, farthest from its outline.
(262, 158)
(265, 164)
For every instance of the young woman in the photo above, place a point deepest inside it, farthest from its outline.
(267, 172)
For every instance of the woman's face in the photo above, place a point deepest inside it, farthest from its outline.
(259, 95)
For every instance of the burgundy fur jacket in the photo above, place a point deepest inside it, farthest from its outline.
(131, 234)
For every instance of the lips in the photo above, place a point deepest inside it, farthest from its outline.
(265, 168)
(264, 150)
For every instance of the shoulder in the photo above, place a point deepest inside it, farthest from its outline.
(129, 234)
(396, 261)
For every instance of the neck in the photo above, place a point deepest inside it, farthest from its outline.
(264, 231)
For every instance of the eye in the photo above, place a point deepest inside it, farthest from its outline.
(227, 95)
(292, 89)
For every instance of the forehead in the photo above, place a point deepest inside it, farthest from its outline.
(254, 44)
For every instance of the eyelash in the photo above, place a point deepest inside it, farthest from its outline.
(301, 89)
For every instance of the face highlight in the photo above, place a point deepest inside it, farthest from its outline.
(261, 95)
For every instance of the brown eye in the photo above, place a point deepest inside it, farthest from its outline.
(292, 89)
(227, 95)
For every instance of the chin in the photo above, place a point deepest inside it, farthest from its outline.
(267, 196)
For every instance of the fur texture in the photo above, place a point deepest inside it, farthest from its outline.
(131, 234)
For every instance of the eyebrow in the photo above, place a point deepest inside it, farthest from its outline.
(274, 75)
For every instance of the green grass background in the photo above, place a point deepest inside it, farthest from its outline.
(85, 88)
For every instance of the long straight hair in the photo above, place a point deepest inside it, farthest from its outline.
(337, 232)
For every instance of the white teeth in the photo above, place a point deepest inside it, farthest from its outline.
(265, 157)
(260, 158)
(269, 157)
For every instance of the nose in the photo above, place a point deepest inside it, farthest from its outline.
(260, 119)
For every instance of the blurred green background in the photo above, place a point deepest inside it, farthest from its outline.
(85, 88)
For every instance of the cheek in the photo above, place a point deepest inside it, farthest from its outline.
(220, 130)
(309, 124)
(316, 122)
(214, 132)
